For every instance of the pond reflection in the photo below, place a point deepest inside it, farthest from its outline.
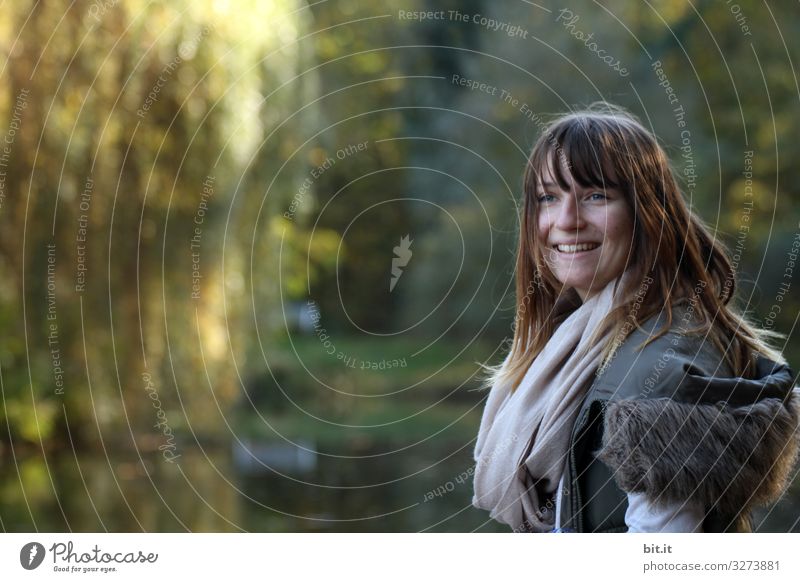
(258, 457)
(267, 486)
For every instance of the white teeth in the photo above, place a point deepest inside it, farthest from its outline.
(577, 248)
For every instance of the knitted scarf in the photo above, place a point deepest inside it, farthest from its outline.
(524, 436)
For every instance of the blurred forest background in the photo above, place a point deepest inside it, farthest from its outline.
(210, 317)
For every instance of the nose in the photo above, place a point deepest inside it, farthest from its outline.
(569, 214)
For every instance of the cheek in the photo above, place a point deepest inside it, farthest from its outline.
(542, 227)
(547, 215)
(619, 229)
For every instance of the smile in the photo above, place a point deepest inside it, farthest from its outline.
(579, 248)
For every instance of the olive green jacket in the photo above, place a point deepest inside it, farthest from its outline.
(670, 421)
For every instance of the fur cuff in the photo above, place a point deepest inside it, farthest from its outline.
(726, 458)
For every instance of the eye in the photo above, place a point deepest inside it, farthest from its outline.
(546, 198)
(598, 196)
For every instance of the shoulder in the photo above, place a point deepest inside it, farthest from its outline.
(672, 366)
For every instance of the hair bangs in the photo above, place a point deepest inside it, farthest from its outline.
(585, 149)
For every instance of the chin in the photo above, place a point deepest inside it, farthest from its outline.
(581, 283)
(583, 287)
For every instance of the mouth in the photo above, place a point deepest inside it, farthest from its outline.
(578, 249)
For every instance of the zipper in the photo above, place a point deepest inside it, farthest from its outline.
(577, 518)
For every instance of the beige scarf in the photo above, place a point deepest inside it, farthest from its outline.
(524, 437)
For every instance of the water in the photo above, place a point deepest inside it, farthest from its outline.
(263, 486)
(277, 488)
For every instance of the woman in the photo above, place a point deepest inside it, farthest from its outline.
(634, 397)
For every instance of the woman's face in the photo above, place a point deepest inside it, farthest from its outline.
(585, 233)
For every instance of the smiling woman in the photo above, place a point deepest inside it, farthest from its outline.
(635, 396)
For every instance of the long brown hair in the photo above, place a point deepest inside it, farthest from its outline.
(676, 258)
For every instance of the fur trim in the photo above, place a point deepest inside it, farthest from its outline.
(727, 458)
